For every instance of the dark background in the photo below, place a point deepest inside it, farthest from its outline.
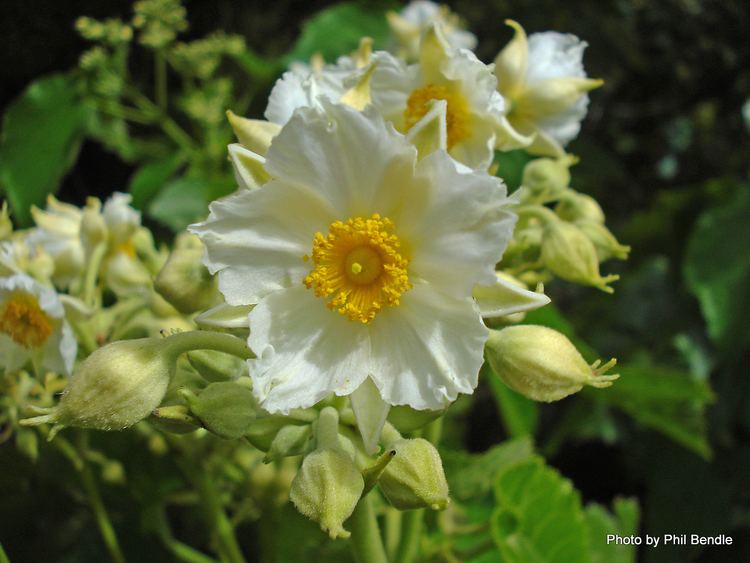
(663, 141)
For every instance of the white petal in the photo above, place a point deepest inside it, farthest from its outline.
(256, 239)
(12, 356)
(225, 316)
(249, 168)
(60, 350)
(370, 411)
(428, 349)
(506, 297)
(391, 84)
(460, 230)
(304, 350)
(431, 132)
(341, 154)
(288, 94)
(554, 55)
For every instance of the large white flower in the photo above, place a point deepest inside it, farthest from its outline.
(449, 80)
(545, 86)
(33, 326)
(361, 262)
(408, 26)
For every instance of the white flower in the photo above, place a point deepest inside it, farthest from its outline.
(473, 111)
(545, 85)
(120, 218)
(33, 326)
(58, 232)
(409, 25)
(360, 261)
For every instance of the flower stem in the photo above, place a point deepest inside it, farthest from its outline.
(366, 543)
(208, 340)
(106, 529)
(3, 556)
(392, 531)
(160, 79)
(92, 272)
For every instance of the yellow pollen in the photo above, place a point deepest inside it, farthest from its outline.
(358, 267)
(458, 116)
(126, 247)
(23, 320)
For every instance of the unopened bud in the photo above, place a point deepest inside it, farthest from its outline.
(575, 206)
(290, 440)
(327, 489)
(604, 241)
(253, 134)
(93, 227)
(225, 408)
(542, 364)
(185, 282)
(544, 179)
(6, 226)
(217, 366)
(415, 478)
(115, 387)
(570, 255)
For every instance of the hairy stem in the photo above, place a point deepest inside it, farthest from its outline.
(366, 543)
(208, 340)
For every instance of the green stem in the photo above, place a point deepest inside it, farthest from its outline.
(413, 521)
(411, 533)
(106, 529)
(328, 429)
(392, 531)
(92, 273)
(167, 124)
(365, 541)
(160, 80)
(181, 551)
(208, 340)
(544, 214)
(3, 556)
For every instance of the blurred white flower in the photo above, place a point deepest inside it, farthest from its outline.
(545, 87)
(33, 326)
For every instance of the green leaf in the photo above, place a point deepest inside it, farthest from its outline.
(665, 399)
(472, 475)
(510, 166)
(717, 270)
(538, 518)
(600, 523)
(150, 178)
(520, 415)
(337, 30)
(180, 203)
(42, 132)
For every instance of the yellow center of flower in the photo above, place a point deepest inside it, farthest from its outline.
(458, 116)
(358, 267)
(23, 320)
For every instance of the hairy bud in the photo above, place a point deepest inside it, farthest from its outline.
(415, 478)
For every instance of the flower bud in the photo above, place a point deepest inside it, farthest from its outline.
(116, 386)
(544, 179)
(542, 364)
(604, 241)
(327, 489)
(264, 429)
(217, 366)
(414, 478)
(254, 134)
(290, 440)
(570, 255)
(93, 227)
(225, 408)
(6, 226)
(185, 282)
(576, 206)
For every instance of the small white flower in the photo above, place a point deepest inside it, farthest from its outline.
(409, 25)
(58, 232)
(545, 86)
(120, 218)
(33, 326)
(473, 112)
(360, 261)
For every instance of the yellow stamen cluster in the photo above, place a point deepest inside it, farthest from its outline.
(458, 116)
(23, 320)
(358, 267)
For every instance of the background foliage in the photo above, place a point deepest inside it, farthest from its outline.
(664, 149)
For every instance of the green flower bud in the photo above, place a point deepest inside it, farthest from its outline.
(542, 364)
(116, 386)
(575, 206)
(263, 430)
(570, 255)
(6, 226)
(217, 366)
(414, 478)
(544, 179)
(93, 227)
(185, 282)
(327, 489)
(407, 419)
(226, 408)
(604, 241)
(290, 440)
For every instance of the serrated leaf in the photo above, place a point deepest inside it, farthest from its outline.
(665, 399)
(601, 522)
(717, 269)
(42, 132)
(472, 475)
(150, 178)
(337, 30)
(539, 517)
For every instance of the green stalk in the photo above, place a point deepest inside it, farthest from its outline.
(181, 551)
(366, 543)
(392, 531)
(91, 488)
(92, 273)
(208, 340)
(3, 556)
(160, 80)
